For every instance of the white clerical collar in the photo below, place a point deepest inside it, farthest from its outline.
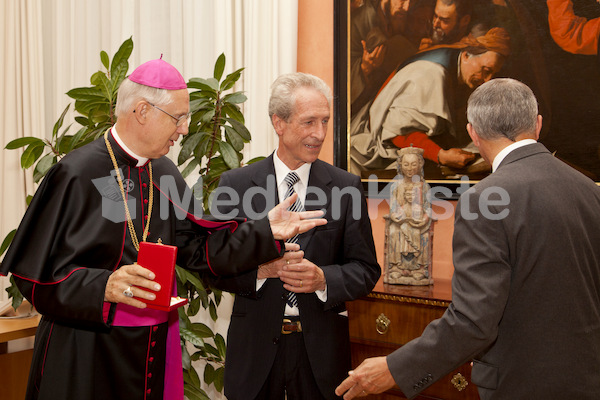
(140, 160)
(281, 171)
(505, 151)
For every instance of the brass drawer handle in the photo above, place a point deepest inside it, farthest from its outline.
(382, 324)
(459, 382)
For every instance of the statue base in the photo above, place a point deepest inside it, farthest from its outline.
(405, 280)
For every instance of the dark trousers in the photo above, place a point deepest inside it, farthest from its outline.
(291, 373)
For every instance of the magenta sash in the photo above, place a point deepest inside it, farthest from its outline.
(130, 316)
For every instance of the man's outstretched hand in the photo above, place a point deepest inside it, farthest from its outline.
(372, 376)
(286, 224)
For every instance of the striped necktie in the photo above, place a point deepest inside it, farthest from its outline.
(291, 179)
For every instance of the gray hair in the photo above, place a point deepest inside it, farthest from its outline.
(131, 92)
(502, 107)
(283, 92)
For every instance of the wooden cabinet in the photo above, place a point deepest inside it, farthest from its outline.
(15, 366)
(391, 316)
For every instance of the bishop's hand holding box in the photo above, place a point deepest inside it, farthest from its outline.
(160, 259)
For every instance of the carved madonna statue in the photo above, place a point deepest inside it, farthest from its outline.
(408, 229)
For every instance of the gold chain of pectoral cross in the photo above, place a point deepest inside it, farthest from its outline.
(134, 238)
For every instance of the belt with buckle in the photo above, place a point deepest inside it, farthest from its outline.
(290, 326)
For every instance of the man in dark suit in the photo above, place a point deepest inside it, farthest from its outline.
(298, 348)
(525, 303)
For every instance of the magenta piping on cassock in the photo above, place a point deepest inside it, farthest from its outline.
(131, 316)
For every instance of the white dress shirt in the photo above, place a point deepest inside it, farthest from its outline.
(505, 151)
(281, 171)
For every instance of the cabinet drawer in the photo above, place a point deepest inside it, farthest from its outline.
(379, 325)
(393, 322)
(451, 387)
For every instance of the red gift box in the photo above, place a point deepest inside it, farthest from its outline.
(160, 259)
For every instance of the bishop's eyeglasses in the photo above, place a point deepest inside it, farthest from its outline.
(178, 120)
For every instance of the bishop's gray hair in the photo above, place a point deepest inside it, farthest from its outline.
(502, 107)
(131, 92)
(283, 92)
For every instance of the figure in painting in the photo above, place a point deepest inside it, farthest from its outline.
(424, 104)
(408, 226)
(450, 23)
(378, 45)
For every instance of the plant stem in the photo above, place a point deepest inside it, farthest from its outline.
(216, 129)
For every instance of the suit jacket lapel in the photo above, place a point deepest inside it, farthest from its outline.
(261, 179)
(318, 182)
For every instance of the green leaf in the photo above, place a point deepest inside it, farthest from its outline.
(220, 343)
(31, 154)
(59, 123)
(85, 107)
(240, 128)
(64, 142)
(7, 240)
(210, 349)
(212, 310)
(28, 200)
(185, 358)
(235, 98)
(218, 294)
(231, 79)
(229, 155)
(188, 147)
(193, 393)
(76, 138)
(255, 159)
(217, 167)
(190, 337)
(234, 138)
(121, 57)
(197, 355)
(233, 111)
(207, 116)
(219, 67)
(83, 121)
(24, 141)
(96, 78)
(104, 59)
(13, 291)
(190, 277)
(117, 76)
(106, 87)
(219, 379)
(192, 377)
(197, 104)
(190, 167)
(184, 321)
(202, 330)
(211, 84)
(194, 306)
(207, 94)
(209, 374)
(43, 166)
(86, 93)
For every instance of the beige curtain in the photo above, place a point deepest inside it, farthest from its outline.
(21, 104)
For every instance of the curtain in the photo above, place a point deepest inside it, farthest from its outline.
(22, 107)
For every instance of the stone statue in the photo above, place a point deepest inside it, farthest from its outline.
(408, 229)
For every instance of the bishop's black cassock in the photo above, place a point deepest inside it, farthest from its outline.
(66, 247)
